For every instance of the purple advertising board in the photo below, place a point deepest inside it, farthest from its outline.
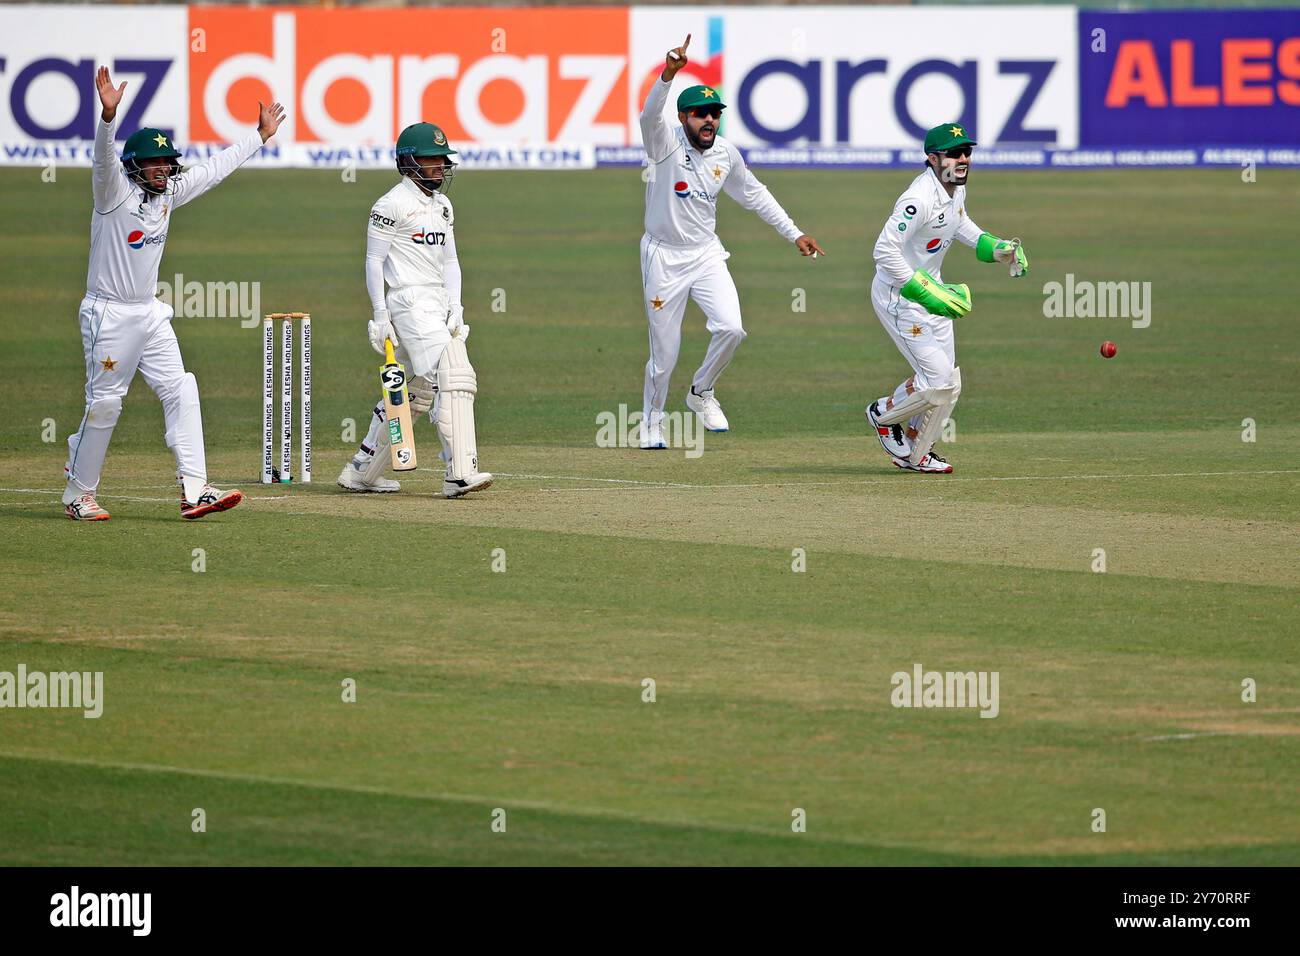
(1189, 78)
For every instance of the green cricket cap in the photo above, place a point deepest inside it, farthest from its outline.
(945, 137)
(694, 96)
(423, 139)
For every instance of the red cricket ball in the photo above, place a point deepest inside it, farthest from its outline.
(1108, 350)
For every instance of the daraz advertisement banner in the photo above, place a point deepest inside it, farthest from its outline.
(562, 88)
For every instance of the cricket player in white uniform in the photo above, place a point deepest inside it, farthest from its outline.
(124, 327)
(681, 255)
(917, 308)
(411, 246)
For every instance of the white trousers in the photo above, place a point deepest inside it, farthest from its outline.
(926, 340)
(419, 316)
(670, 275)
(119, 339)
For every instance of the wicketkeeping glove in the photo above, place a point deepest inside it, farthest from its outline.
(1007, 251)
(951, 300)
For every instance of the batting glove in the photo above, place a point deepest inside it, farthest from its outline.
(380, 328)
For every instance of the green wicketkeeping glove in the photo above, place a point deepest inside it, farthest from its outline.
(1008, 251)
(951, 301)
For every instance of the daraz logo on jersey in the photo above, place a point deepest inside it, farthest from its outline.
(136, 239)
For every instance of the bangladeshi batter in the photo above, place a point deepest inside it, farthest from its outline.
(124, 327)
(917, 308)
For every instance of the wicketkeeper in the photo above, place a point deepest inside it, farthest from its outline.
(681, 255)
(411, 246)
(917, 308)
(124, 327)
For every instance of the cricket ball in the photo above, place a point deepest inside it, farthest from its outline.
(1108, 350)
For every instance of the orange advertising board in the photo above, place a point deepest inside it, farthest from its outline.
(360, 76)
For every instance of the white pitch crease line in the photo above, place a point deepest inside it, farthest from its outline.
(1208, 733)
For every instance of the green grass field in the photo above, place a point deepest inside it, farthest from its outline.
(523, 690)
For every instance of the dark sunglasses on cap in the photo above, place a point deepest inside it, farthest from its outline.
(958, 152)
(712, 112)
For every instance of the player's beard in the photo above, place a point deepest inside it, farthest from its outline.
(694, 136)
(948, 174)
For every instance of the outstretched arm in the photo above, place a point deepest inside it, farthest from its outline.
(109, 185)
(194, 182)
(743, 186)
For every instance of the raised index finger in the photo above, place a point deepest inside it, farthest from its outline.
(687, 43)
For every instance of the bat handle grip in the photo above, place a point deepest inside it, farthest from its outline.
(389, 355)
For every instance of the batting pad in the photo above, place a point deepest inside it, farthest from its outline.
(457, 386)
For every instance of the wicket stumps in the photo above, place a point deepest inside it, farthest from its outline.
(284, 473)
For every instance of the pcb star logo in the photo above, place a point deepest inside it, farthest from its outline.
(160, 139)
(706, 93)
(657, 302)
(956, 131)
(717, 173)
(916, 330)
(108, 363)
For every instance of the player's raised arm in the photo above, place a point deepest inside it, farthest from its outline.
(656, 136)
(194, 182)
(108, 185)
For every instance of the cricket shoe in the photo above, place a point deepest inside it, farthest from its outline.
(210, 500)
(457, 488)
(891, 437)
(652, 433)
(707, 407)
(931, 464)
(351, 479)
(86, 508)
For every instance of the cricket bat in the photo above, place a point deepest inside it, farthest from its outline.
(397, 409)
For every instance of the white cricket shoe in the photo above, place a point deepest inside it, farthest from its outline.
(891, 437)
(454, 488)
(652, 432)
(707, 407)
(931, 464)
(85, 508)
(351, 479)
